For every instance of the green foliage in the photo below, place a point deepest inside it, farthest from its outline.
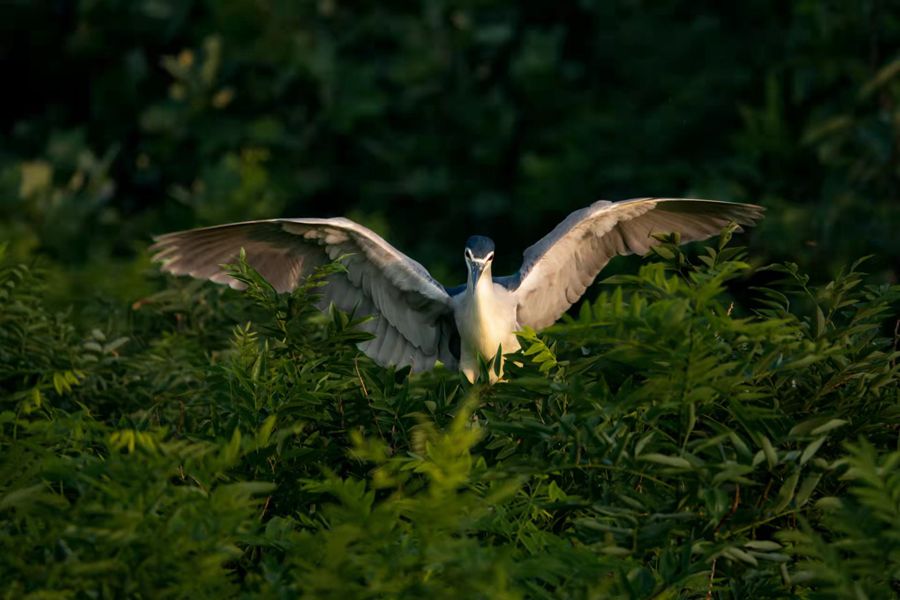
(430, 121)
(704, 429)
(665, 442)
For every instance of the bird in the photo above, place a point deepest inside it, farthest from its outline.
(416, 321)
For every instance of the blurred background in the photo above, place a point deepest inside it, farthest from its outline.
(430, 121)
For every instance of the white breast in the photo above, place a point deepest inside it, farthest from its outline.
(486, 320)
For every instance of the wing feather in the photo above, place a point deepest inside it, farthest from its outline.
(411, 311)
(557, 270)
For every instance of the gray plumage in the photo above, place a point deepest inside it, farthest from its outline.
(413, 321)
(557, 270)
(417, 321)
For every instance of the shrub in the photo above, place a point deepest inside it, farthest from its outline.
(681, 436)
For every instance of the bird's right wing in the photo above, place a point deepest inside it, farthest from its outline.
(558, 269)
(413, 322)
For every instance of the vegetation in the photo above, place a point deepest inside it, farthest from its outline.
(658, 445)
(138, 117)
(710, 422)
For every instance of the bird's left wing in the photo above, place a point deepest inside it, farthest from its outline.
(558, 269)
(412, 322)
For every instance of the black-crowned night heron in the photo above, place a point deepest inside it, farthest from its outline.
(416, 321)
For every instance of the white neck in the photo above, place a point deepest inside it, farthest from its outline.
(483, 292)
(486, 317)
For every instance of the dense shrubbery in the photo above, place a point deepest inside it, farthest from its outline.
(665, 443)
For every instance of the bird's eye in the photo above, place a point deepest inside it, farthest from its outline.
(469, 254)
(490, 256)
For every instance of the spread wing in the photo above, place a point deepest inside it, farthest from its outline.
(413, 322)
(558, 269)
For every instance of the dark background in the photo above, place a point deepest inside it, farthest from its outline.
(431, 121)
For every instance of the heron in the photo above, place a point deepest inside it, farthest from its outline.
(416, 321)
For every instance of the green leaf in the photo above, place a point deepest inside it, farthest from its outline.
(811, 449)
(265, 431)
(769, 451)
(806, 488)
(763, 545)
(662, 459)
(740, 555)
(828, 426)
(232, 450)
(786, 492)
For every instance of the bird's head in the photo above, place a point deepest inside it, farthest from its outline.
(479, 253)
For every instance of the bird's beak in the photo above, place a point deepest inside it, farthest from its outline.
(477, 268)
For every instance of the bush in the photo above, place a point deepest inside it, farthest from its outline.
(669, 441)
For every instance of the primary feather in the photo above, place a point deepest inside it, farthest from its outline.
(558, 269)
(412, 321)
